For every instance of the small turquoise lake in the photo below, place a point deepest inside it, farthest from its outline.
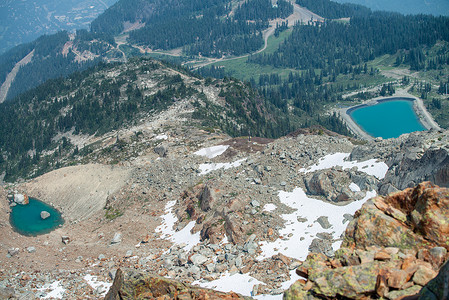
(387, 118)
(26, 219)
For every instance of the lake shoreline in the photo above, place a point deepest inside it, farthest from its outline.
(422, 114)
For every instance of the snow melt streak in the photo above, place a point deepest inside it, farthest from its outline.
(177, 237)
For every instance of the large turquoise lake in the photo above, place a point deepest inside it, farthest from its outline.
(387, 119)
(26, 219)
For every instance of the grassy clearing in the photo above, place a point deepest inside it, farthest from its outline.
(243, 70)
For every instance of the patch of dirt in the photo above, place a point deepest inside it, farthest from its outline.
(79, 191)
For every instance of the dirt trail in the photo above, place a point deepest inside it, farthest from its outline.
(12, 75)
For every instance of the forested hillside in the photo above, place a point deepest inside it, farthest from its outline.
(329, 45)
(113, 96)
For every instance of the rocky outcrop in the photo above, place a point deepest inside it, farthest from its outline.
(335, 184)
(407, 220)
(21, 199)
(394, 246)
(45, 215)
(145, 286)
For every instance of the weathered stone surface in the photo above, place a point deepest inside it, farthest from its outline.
(433, 166)
(437, 288)
(406, 219)
(386, 253)
(207, 198)
(45, 215)
(347, 281)
(161, 150)
(21, 199)
(117, 238)
(423, 275)
(142, 286)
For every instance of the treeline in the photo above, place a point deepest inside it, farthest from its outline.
(333, 10)
(263, 10)
(331, 44)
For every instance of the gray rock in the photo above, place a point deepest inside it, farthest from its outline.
(324, 222)
(129, 253)
(347, 218)
(65, 239)
(255, 203)
(117, 238)
(45, 215)
(31, 249)
(210, 267)
(207, 198)
(238, 262)
(301, 219)
(161, 150)
(101, 257)
(13, 251)
(198, 259)
(322, 246)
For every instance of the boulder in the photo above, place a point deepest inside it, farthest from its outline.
(117, 238)
(45, 215)
(407, 219)
(437, 288)
(207, 198)
(334, 184)
(161, 150)
(21, 199)
(147, 286)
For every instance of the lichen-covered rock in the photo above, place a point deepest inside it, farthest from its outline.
(406, 219)
(143, 286)
(393, 247)
(437, 288)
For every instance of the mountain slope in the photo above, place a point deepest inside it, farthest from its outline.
(24, 21)
(42, 127)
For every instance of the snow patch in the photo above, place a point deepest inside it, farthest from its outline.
(354, 187)
(55, 290)
(238, 283)
(269, 207)
(212, 152)
(207, 168)
(101, 286)
(370, 167)
(311, 209)
(177, 237)
(161, 137)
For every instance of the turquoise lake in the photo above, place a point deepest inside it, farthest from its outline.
(387, 119)
(26, 219)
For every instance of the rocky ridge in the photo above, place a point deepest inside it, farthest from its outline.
(394, 246)
(229, 209)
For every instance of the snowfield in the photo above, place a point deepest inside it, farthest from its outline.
(212, 152)
(370, 167)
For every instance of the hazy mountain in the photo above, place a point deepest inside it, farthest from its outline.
(434, 7)
(24, 21)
